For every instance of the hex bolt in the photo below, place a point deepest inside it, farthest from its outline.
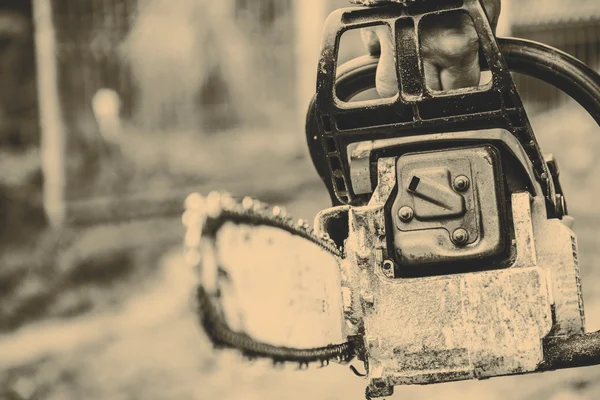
(388, 269)
(460, 237)
(406, 214)
(461, 183)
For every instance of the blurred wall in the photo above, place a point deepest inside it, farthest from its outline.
(568, 26)
(17, 70)
(197, 67)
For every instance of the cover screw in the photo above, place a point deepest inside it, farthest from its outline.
(388, 269)
(406, 214)
(460, 236)
(461, 183)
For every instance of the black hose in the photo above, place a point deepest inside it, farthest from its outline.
(557, 68)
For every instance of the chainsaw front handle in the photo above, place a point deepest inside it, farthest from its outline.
(526, 57)
(534, 59)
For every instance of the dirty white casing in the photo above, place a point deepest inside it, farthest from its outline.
(463, 326)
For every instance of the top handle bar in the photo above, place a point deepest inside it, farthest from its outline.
(537, 60)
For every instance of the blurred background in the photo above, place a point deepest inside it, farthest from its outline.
(111, 111)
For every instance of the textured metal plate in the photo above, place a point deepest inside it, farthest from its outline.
(428, 237)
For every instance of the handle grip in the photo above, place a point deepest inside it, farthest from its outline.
(530, 58)
(526, 57)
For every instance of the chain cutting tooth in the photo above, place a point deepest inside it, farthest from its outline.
(227, 202)
(194, 201)
(192, 258)
(247, 203)
(278, 363)
(304, 365)
(213, 205)
(186, 218)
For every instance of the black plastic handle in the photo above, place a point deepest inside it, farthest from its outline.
(557, 68)
(417, 109)
(526, 57)
(534, 59)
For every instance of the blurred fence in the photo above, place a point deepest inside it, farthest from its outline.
(172, 63)
(218, 64)
(88, 36)
(573, 27)
(158, 69)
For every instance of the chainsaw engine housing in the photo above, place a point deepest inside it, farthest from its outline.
(459, 258)
(447, 323)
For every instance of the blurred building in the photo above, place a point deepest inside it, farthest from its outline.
(178, 63)
(160, 67)
(20, 175)
(571, 26)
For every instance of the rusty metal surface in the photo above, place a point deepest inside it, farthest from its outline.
(464, 326)
(571, 352)
(556, 248)
(460, 327)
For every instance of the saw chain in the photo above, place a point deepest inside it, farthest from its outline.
(203, 218)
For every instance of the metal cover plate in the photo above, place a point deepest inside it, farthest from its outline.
(426, 187)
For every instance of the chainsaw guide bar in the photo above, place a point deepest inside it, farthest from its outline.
(203, 218)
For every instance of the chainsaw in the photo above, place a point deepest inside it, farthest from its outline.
(448, 252)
